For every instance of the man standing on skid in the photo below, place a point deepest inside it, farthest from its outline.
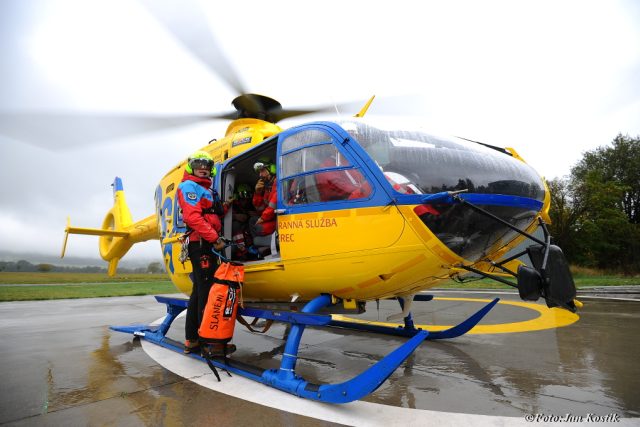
(198, 204)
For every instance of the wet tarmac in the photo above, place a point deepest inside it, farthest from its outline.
(61, 365)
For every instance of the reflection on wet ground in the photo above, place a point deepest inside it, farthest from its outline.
(585, 367)
(61, 364)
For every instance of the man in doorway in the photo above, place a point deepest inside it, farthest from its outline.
(265, 200)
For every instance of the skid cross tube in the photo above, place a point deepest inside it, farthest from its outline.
(290, 355)
(284, 378)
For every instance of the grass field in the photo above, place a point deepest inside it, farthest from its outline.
(64, 278)
(44, 286)
(83, 290)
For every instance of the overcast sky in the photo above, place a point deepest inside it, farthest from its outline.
(549, 78)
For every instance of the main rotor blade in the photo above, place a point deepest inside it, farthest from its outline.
(282, 114)
(188, 24)
(53, 130)
(385, 105)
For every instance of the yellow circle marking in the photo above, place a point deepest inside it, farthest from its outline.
(548, 318)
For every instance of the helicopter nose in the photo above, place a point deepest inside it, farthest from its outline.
(476, 225)
(474, 235)
(508, 190)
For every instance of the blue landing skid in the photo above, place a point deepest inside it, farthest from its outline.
(409, 330)
(285, 377)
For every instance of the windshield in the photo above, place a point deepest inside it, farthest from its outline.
(437, 163)
(417, 162)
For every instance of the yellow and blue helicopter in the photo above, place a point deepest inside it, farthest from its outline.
(406, 210)
(366, 211)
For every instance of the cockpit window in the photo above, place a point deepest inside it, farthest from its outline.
(309, 159)
(314, 170)
(435, 163)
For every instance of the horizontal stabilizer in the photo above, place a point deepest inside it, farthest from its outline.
(96, 232)
(88, 231)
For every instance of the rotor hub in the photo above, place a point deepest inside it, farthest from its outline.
(250, 105)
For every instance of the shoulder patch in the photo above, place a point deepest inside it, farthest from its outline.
(192, 196)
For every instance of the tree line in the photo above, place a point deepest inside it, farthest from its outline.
(595, 211)
(28, 267)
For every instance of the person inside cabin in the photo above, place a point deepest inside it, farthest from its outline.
(340, 184)
(242, 210)
(202, 216)
(265, 201)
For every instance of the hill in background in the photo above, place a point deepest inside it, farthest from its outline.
(79, 262)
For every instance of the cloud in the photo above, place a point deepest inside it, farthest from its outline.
(549, 79)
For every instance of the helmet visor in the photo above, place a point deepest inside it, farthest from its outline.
(201, 164)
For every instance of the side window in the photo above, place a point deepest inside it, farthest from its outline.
(309, 159)
(314, 170)
(303, 138)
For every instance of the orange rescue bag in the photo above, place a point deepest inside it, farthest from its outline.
(219, 318)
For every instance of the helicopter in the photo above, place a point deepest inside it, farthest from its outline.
(420, 209)
(412, 221)
(413, 209)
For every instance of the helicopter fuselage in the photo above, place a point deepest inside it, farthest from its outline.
(377, 235)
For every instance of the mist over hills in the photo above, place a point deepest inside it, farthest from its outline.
(71, 261)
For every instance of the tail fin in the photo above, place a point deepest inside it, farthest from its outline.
(118, 233)
(364, 109)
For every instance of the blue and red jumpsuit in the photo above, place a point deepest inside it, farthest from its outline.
(196, 200)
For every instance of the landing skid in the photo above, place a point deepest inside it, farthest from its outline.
(409, 329)
(285, 378)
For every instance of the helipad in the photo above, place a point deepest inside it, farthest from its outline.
(62, 365)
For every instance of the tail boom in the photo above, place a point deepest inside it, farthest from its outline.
(118, 233)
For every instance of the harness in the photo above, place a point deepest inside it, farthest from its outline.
(216, 208)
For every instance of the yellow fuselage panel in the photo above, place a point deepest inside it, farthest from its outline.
(363, 275)
(339, 231)
(359, 254)
(363, 254)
